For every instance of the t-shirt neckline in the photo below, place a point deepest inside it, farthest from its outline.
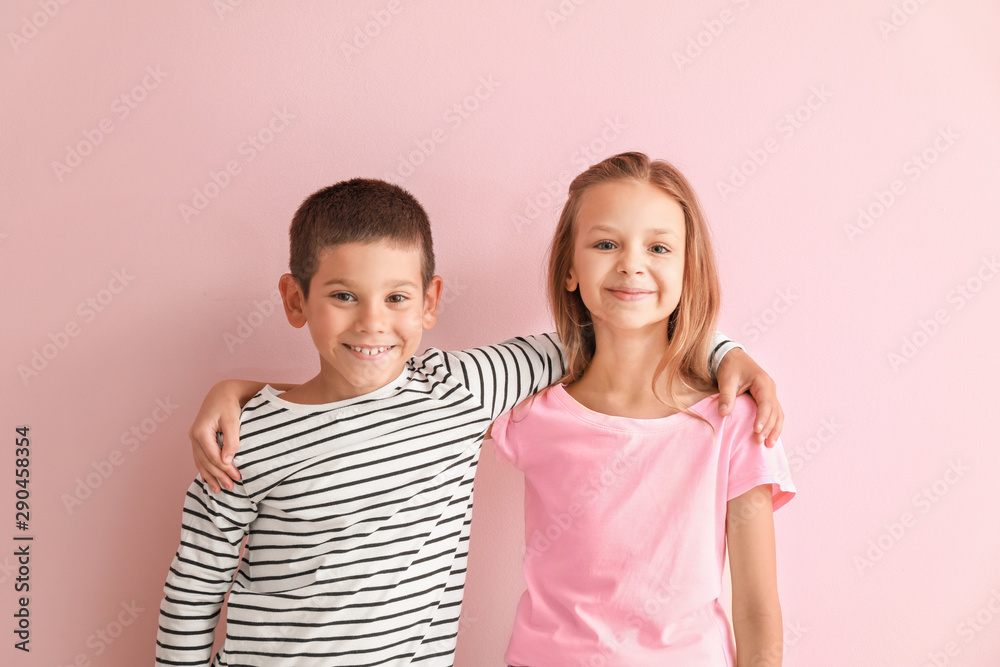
(274, 396)
(625, 423)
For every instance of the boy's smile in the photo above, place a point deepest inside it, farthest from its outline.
(366, 313)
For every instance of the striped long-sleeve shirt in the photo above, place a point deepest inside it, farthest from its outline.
(357, 517)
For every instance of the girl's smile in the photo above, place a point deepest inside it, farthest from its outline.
(629, 293)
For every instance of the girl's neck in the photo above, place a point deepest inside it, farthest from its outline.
(619, 379)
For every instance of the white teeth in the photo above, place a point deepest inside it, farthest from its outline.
(370, 351)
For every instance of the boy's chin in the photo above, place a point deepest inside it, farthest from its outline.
(375, 378)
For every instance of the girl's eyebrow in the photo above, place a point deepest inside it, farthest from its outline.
(658, 231)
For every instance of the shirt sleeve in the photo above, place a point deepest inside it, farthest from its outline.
(503, 375)
(752, 463)
(720, 346)
(501, 444)
(201, 573)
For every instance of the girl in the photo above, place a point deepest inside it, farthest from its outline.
(633, 481)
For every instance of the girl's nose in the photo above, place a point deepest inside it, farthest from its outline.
(630, 262)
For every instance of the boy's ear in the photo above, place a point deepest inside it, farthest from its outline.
(293, 300)
(432, 300)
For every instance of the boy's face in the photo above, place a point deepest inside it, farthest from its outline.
(366, 312)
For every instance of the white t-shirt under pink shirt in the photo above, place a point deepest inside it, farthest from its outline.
(625, 525)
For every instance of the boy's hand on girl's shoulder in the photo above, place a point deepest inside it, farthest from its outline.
(738, 373)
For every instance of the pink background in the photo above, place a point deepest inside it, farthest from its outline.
(889, 554)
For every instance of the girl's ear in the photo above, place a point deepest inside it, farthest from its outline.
(571, 281)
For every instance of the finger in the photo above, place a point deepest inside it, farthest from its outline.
(203, 472)
(213, 476)
(775, 429)
(206, 455)
(761, 420)
(768, 429)
(230, 441)
(208, 444)
(728, 389)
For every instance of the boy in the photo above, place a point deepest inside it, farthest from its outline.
(355, 488)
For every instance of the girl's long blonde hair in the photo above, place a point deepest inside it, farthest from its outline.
(690, 327)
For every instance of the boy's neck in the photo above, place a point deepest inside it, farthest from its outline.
(329, 387)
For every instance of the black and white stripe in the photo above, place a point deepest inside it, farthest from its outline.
(357, 519)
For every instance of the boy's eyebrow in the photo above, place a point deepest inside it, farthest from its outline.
(351, 284)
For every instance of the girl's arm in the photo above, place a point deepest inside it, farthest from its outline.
(756, 610)
(220, 411)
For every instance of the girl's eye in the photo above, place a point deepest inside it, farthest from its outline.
(660, 249)
(342, 296)
(603, 245)
(397, 298)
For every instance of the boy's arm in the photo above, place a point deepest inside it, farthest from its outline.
(507, 373)
(756, 609)
(721, 345)
(201, 573)
(736, 373)
(220, 412)
(503, 375)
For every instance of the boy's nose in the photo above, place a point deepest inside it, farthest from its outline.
(372, 320)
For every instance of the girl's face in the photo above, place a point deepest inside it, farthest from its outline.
(628, 258)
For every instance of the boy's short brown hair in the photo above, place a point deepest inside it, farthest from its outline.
(360, 210)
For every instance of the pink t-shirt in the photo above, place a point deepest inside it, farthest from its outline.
(625, 526)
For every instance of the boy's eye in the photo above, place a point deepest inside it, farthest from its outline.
(605, 245)
(397, 298)
(342, 296)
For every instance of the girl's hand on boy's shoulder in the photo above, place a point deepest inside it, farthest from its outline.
(738, 373)
(220, 413)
